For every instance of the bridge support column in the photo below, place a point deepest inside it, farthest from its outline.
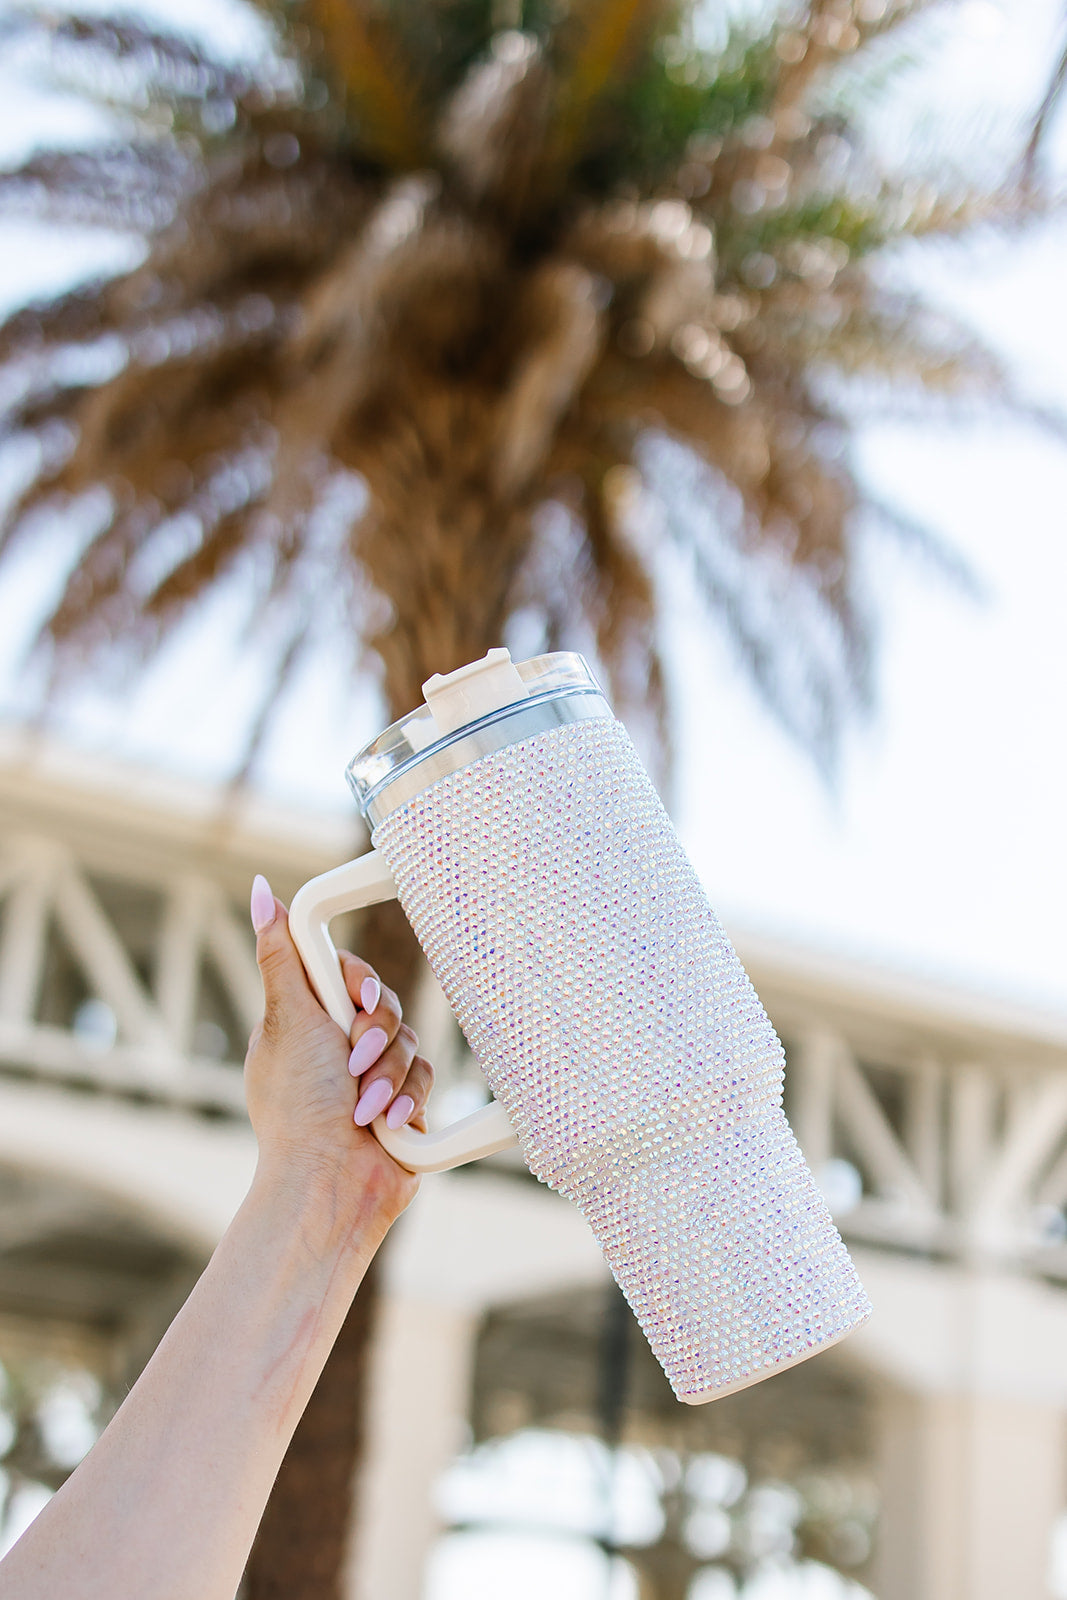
(420, 1381)
(466, 1243)
(972, 1487)
(973, 1428)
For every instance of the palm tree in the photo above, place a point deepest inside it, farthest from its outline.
(434, 292)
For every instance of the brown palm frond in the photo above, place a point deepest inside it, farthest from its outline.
(101, 53)
(94, 606)
(286, 665)
(732, 438)
(492, 130)
(133, 188)
(897, 339)
(558, 306)
(877, 19)
(942, 558)
(247, 231)
(808, 52)
(1007, 208)
(625, 614)
(790, 613)
(796, 507)
(811, 49)
(66, 319)
(1043, 118)
(213, 309)
(818, 41)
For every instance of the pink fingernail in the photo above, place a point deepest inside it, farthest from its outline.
(399, 1111)
(370, 993)
(366, 1050)
(261, 904)
(373, 1101)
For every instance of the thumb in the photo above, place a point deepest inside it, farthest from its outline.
(285, 984)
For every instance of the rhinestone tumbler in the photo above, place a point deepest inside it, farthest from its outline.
(627, 1051)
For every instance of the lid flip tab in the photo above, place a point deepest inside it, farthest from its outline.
(474, 691)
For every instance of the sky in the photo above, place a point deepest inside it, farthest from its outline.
(939, 851)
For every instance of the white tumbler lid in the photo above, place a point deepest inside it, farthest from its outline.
(471, 697)
(475, 691)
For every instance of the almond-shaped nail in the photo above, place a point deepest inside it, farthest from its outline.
(261, 904)
(373, 1101)
(399, 1111)
(366, 1050)
(369, 994)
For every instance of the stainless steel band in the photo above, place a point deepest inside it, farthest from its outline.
(513, 725)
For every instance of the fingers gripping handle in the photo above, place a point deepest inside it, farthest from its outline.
(366, 882)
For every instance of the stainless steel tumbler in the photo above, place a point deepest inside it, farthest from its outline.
(626, 1049)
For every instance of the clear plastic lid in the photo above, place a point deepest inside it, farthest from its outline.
(418, 734)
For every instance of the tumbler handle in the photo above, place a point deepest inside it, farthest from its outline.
(366, 882)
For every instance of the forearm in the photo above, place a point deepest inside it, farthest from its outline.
(166, 1505)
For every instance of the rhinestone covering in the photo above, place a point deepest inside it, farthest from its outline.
(618, 1029)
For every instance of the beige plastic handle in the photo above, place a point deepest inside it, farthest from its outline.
(365, 882)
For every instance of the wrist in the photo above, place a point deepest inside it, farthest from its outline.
(319, 1204)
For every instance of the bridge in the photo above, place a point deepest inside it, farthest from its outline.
(936, 1122)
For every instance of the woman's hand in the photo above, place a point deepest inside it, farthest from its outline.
(311, 1092)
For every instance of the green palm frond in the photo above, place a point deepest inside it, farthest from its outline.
(597, 49)
(676, 101)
